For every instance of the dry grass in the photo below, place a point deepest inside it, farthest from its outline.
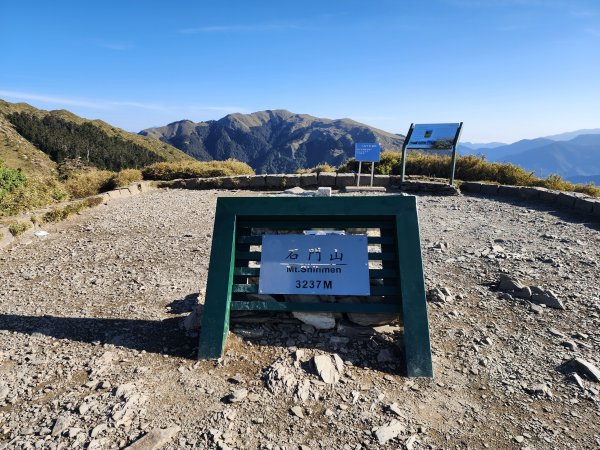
(17, 228)
(469, 168)
(85, 183)
(318, 169)
(58, 214)
(124, 178)
(167, 171)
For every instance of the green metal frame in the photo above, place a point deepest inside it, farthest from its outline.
(397, 218)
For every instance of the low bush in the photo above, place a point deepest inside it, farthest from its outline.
(166, 171)
(318, 169)
(59, 214)
(124, 178)
(85, 183)
(17, 228)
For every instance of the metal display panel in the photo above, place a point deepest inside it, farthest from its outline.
(436, 136)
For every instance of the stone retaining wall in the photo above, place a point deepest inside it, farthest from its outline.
(308, 181)
(568, 201)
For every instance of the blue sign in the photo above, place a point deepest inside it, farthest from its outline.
(314, 264)
(367, 151)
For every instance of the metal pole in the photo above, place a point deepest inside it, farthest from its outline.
(455, 144)
(359, 169)
(404, 145)
(372, 172)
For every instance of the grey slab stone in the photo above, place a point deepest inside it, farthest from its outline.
(309, 180)
(379, 180)
(326, 179)
(509, 191)
(256, 181)
(585, 205)
(566, 199)
(345, 179)
(471, 187)
(275, 181)
(530, 192)
(548, 195)
(489, 189)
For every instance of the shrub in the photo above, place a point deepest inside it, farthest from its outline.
(81, 184)
(318, 169)
(17, 228)
(59, 214)
(167, 171)
(33, 193)
(124, 178)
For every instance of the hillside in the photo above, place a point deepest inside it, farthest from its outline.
(34, 140)
(273, 141)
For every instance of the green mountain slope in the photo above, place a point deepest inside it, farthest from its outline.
(62, 135)
(273, 141)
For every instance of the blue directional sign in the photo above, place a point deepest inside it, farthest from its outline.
(367, 151)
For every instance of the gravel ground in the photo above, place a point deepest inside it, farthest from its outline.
(93, 353)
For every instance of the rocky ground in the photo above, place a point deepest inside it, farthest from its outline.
(93, 353)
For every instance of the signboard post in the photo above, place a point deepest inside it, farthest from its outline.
(385, 267)
(370, 152)
(436, 136)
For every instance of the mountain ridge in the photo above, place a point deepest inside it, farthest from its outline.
(273, 141)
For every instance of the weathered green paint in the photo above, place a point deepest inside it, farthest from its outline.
(402, 272)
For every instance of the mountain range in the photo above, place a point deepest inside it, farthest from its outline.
(273, 141)
(574, 155)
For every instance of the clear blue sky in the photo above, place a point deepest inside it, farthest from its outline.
(509, 69)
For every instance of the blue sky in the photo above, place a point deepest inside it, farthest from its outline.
(509, 69)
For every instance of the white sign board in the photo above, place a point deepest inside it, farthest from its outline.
(313, 264)
(435, 136)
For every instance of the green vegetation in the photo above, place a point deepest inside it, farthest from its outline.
(58, 214)
(195, 169)
(317, 169)
(19, 192)
(468, 168)
(17, 228)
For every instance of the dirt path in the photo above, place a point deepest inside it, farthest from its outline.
(93, 355)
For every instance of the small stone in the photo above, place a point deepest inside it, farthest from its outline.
(4, 391)
(410, 442)
(549, 299)
(321, 320)
(60, 425)
(237, 396)
(297, 411)
(519, 439)
(390, 431)
(540, 390)
(98, 429)
(569, 344)
(155, 439)
(328, 368)
(585, 368)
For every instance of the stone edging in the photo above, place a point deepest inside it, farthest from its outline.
(567, 201)
(309, 180)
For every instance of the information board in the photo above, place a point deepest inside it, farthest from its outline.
(314, 264)
(367, 152)
(436, 136)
